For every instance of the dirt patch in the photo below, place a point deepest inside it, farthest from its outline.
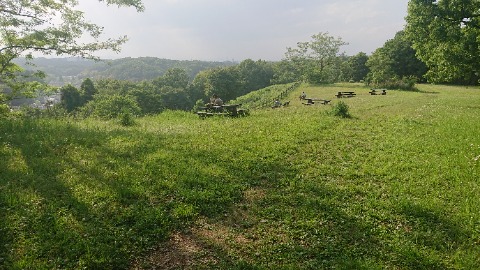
(203, 246)
(182, 251)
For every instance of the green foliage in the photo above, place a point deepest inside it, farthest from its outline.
(394, 188)
(357, 68)
(231, 82)
(254, 75)
(223, 82)
(263, 98)
(198, 104)
(88, 90)
(111, 106)
(48, 27)
(341, 109)
(445, 36)
(4, 110)
(62, 71)
(175, 98)
(285, 72)
(405, 83)
(71, 98)
(396, 59)
(149, 98)
(174, 77)
(127, 119)
(317, 59)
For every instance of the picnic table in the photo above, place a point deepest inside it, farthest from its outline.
(378, 91)
(279, 105)
(345, 94)
(311, 101)
(232, 110)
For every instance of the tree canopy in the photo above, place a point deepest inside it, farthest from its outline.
(51, 27)
(317, 59)
(446, 36)
(396, 59)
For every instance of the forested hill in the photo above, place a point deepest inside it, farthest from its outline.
(61, 71)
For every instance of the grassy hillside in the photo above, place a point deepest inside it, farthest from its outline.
(394, 187)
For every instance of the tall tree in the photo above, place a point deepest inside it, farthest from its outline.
(446, 36)
(317, 59)
(50, 27)
(396, 59)
(358, 66)
(71, 98)
(285, 71)
(174, 77)
(223, 82)
(88, 90)
(254, 75)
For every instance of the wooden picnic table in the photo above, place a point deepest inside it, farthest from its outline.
(311, 101)
(223, 110)
(346, 94)
(378, 91)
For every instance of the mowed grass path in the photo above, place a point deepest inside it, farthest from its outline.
(394, 187)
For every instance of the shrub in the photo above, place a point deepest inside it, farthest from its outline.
(341, 109)
(127, 119)
(4, 109)
(198, 104)
(405, 83)
(111, 106)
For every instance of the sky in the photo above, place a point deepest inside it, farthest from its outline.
(235, 30)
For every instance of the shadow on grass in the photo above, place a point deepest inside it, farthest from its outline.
(429, 231)
(75, 197)
(64, 203)
(89, 198)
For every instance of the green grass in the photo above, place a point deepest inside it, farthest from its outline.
(395, 186)
(264, 98)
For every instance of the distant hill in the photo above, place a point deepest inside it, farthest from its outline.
(61, 71)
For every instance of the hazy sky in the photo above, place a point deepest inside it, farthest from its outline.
(218, 30)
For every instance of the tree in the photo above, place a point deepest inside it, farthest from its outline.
(149, 98)
(176, 98)
(71, 98)
(395, 60)
(111, 106)
(357, 67)
(317, 59)
(446, 36)
(88, 90)
(52, 27)
(254, 75)
(174, 77)
(285, 71)
(224, 82)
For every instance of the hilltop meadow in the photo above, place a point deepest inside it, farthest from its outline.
(394, 186)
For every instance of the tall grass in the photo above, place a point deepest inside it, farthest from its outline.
(394, 186)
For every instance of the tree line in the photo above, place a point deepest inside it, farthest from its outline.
(317, 61)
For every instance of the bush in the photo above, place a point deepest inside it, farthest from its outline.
(198, 104)
(127, 119)
(111, 106)
(341, 109)
(4, 109)
(405, 83)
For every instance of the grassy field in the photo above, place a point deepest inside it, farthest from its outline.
(393, 187)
